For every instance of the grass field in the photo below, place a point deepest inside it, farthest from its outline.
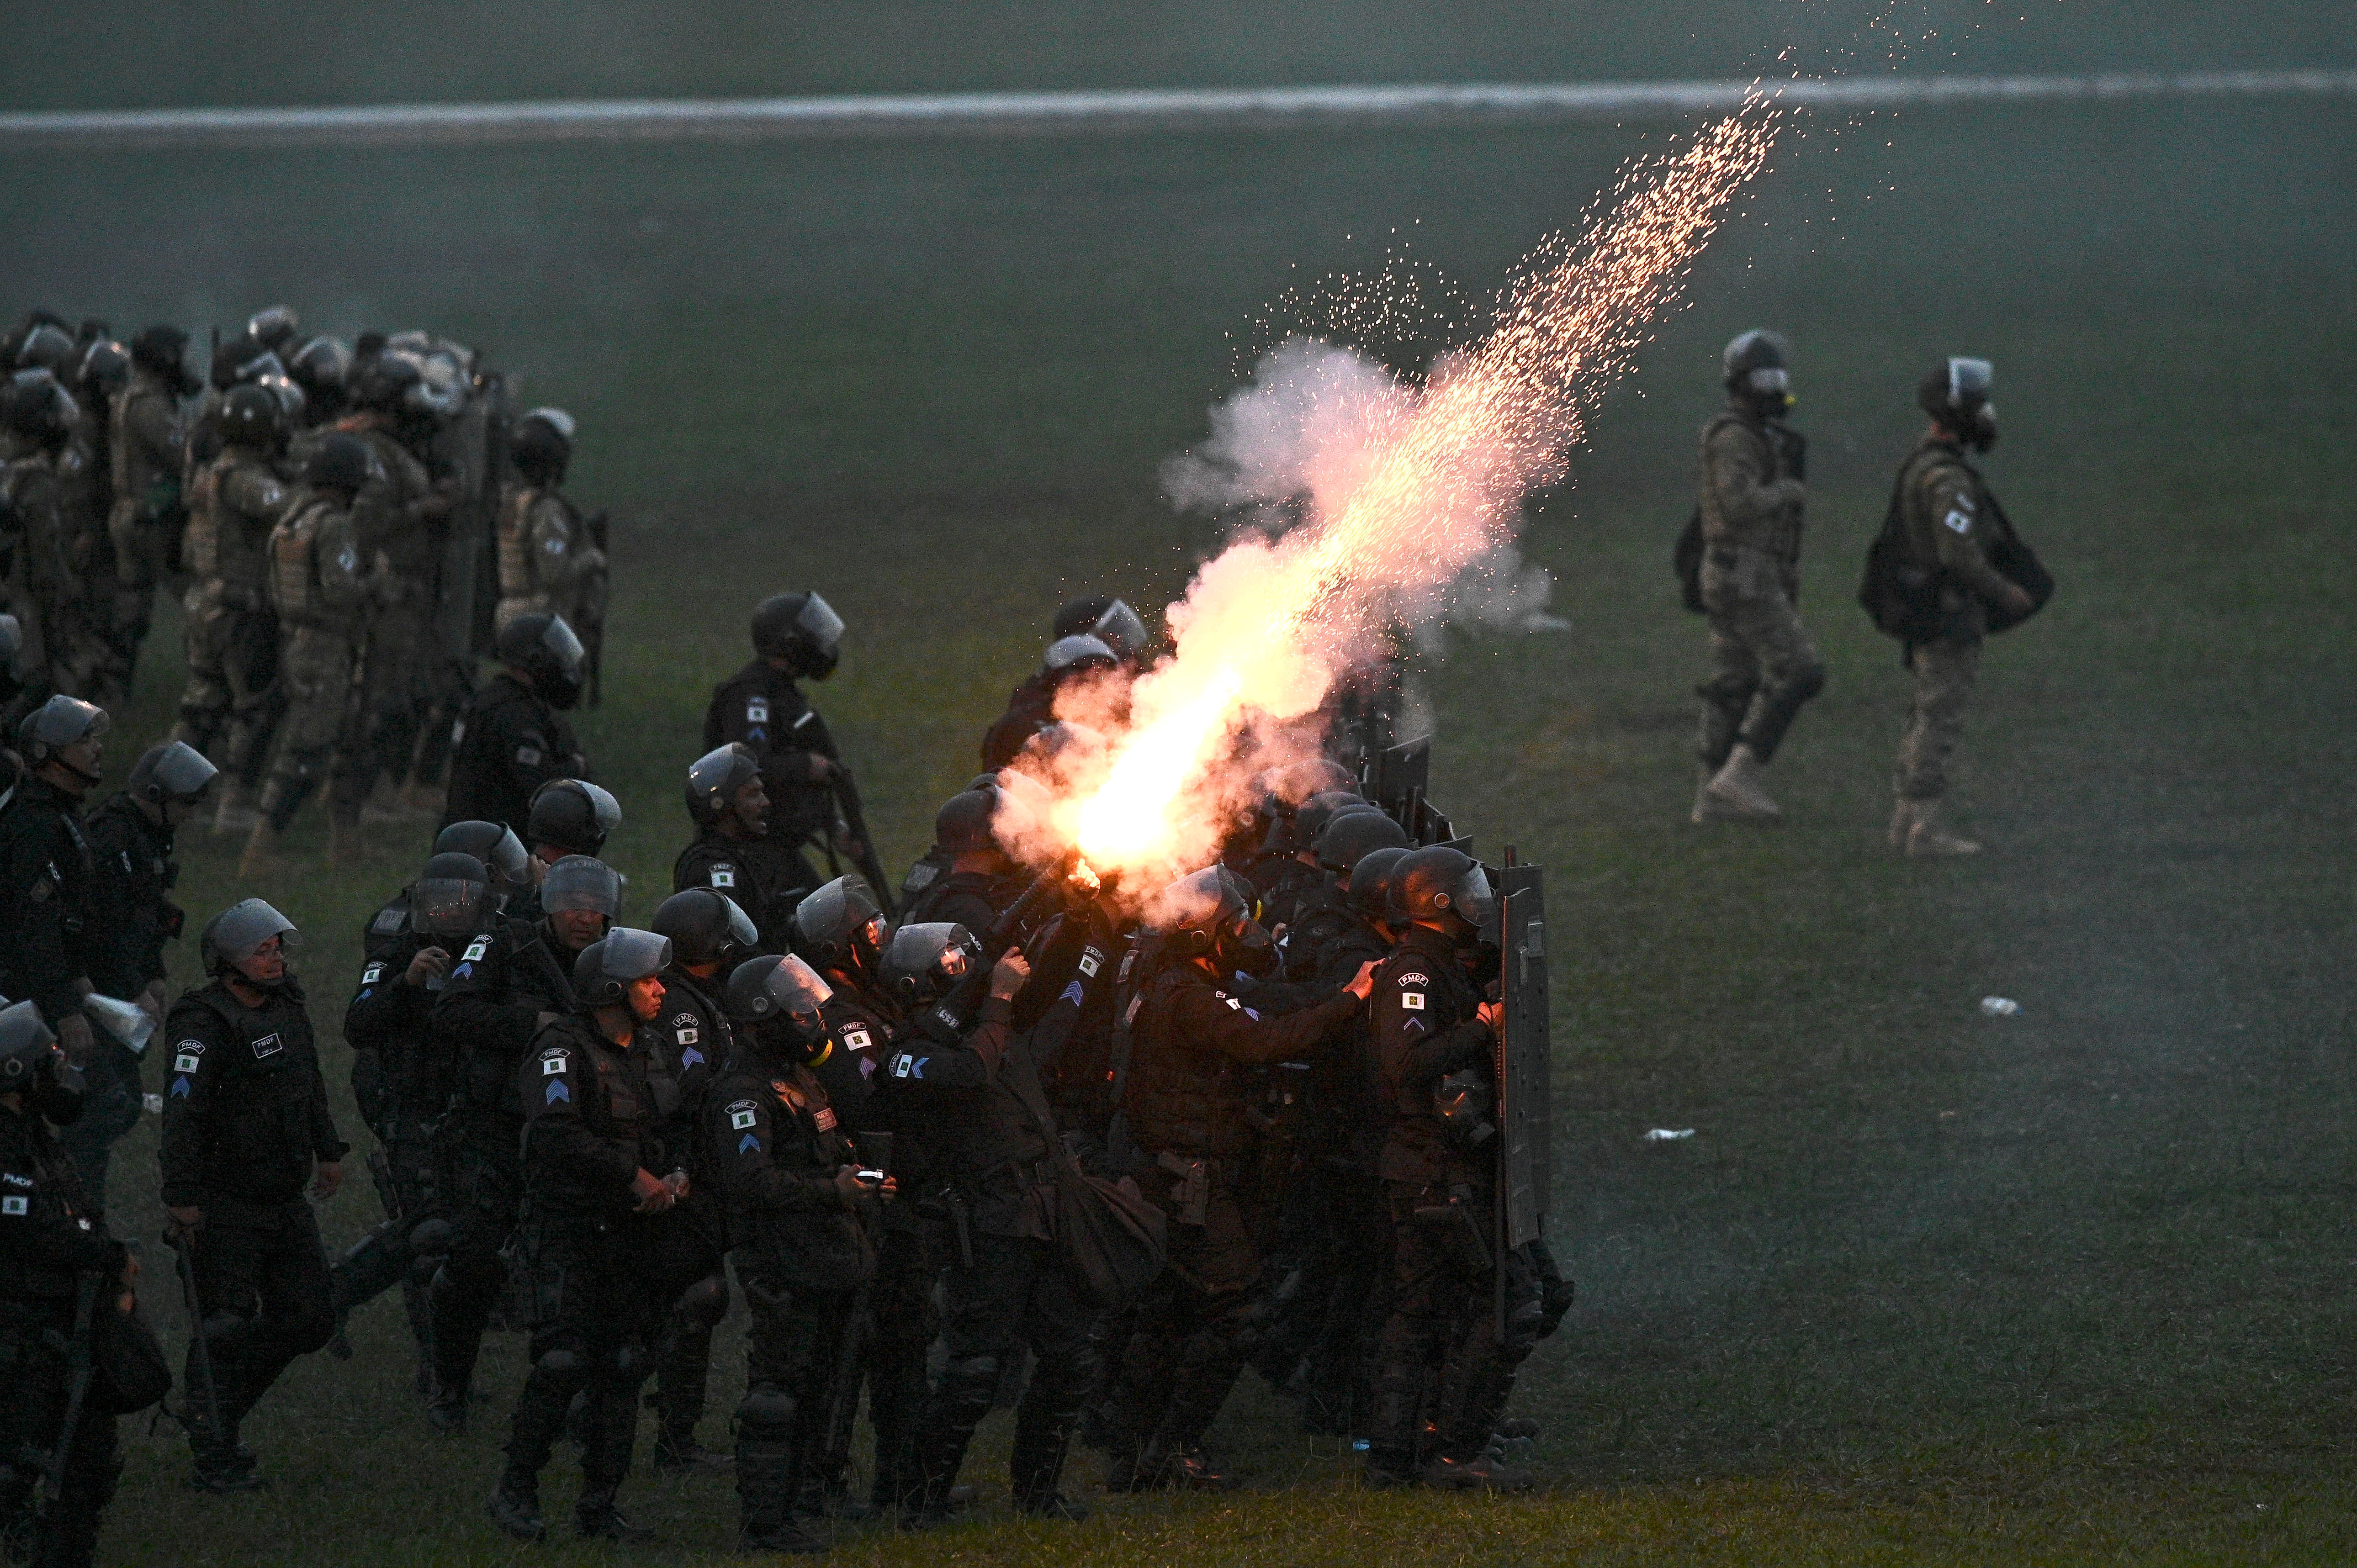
(1924, 1287)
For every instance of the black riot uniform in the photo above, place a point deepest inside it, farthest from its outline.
(46, 879)
(592, 1124)
(762, 708)
(802, 1251)
(52, 1249)
(508, 743)
(245, 1115)
(1006, 1287)
(132, 915)
(507, 979)
(1442, 1195)
(1194, 1047)
(766, 876)
(692, 1040)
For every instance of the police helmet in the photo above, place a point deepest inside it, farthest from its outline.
(1121, 630)
(380, 380)
(342, 463)
(25, 1040)
(1437, 882)
(963, 825)
(321, 368)
(1371, 881)
(37, 406)
(542, 446)
(1208, 915)
(780, 997)
(174, 770)
(574, 814)
(292, 403)
(714, 778)
(582, 882)
(1310, 817)
(494, 844)
(452, 897)
(1956, 392)
(46, 346)
(274, 326)
(704, 926)
(61, 721)
(840, 926)
(802, 629)
(103, 369)
(922, 962)
(543, 648)
(1756, 364)
(159, 349)
(1072, 655)
(252, 415)
(237, 933)
(1350, 836)
(608, 967)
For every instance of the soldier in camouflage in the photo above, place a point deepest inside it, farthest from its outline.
(548, 562)
(1762, 665)
(144, 448)
(228, 710)
(1950, 522)
(319, 588)
(38, 417)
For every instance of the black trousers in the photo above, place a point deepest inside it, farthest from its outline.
(35, 1339)
(692, 1283)
(1444, 1313)
(791, 1359)
(903, 1324)
(486, 1193)
(1195, 1329)
(262, 1280)
(1013, 1294)
(595, 1312)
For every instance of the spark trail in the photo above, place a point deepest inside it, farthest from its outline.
(1405, 489)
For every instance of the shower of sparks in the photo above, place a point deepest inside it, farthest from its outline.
(1403, 499)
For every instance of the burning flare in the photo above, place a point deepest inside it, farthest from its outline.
(1404, 490)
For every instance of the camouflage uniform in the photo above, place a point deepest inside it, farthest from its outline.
(1948, 521)
(35, 577)
(1762, 665)
(320, 583)
(404, 543)
(231, 696)
(548, 563)
(144, 448)
(95, 655)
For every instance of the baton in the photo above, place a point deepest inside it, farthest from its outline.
(199, 1351)
(79, 1370)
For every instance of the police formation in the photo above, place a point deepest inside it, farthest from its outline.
(996, 1140)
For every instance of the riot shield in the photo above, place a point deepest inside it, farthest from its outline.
(1398, 779)
(1525, 1065)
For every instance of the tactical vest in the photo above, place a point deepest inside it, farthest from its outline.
(1779, 537)
(522, 573)
(258, 1144)
(1189, 1101)
(225, 544)
(316, 576)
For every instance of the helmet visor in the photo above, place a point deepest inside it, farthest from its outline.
(633, 955)
(238, 931)
(934, 951)
(560, 642)
(446, 906)
(23, 1038)
(1768, 379)
(1470, 899)
(63, 720)
(712, 774)
(741, 930)
(577, 881)
(557, 419)
(820, 626)
(1120, 628)
(183, 771)
(1969, 381)
(794, 987)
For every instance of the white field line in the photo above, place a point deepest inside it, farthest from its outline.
(978, 115)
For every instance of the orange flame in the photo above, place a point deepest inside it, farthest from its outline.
(1402, 502)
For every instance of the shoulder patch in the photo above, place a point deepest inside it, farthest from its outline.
(757, 710)
(1415, 977)
(743, 1114)
(824, 1118)
(16, 1205)
(476, 949)
(371, 974)
(1412, 999)
(724, 874)
(856, 1038)
(554, 1060)
(1958, 521)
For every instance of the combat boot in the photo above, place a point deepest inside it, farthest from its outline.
(514, 1507)
(1485, 1471)
(595, 1517)
(238, 812)
(261, 859)
(1929, 838)
(786, 1536)
(1737, 792)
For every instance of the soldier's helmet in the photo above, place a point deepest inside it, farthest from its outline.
(1209, 913)
(343, 462)
(1956, 392)
(1071, 656)
(159, 349)
(544, 649)
(1757, 364)
(608, 967)
(494, 844)
(173, 770)
(253, 416)
(706, 925)
(237, 933)
(45, 346)
(451, 896)
(1438, 883)
(1351, 837)
(840, 926)
(542, 446)
(103, 369)
(61, 721)
(275, 327)
(584, 883)
(924, 962)
(379, 381)
(962, 825)
(25, 1040)
(1108, 619)
(574, 814)
(714, 778)
(779, 998)
(1371, 882)
(36, 405)
(321, 367)
(801, 628)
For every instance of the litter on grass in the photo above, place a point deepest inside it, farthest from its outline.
(1999, 1006)
(1668, 1134)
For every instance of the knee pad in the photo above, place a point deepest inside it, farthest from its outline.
(222, 1326)
(706, 1302)
(767, 1411)
(431, 1240)
(1525, 1326)
(975, 1378)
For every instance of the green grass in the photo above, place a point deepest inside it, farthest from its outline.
(1924, 1287)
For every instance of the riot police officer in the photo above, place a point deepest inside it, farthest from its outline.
(245, 1127)
(131, 837)
(320, 580)
(145, 447)
(58, 1268)
(981, 879)
(733, 853)
(592, 1146)
(512, 738)
(549, 564)
(804, 1224)
(693, 1037)
(228, 710)
(567, 816)
(1186, 1087)
(513, 874)
(402, 1077)
(48, 939)
(1071, 662)
(1762, 666)
(507, 977)
(1435, 1043)
(796, 637)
